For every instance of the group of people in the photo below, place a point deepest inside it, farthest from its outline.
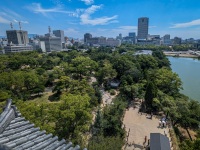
(163, 123)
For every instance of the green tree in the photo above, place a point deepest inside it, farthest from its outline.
(167, 81)
(83, 66)
(105, 73)
(151, 93)
(147, 62)
(190, 145)
(73, 116)
(122, 64)
(4, 95)
(63, 84)
(106, 143)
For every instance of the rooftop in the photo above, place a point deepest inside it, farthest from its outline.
(18, 133)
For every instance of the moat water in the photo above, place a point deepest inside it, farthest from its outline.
(188, 70)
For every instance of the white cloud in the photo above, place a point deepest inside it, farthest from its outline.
(12, 13)
(71, 32)
(152, 27)
(3, 20)
(37, 8)
(72, 23)
(26, 22)
(86, 17)
(186, 24)
(57, 2)
(88, 2)
(133, 27)
(7, 16)
(128, 27)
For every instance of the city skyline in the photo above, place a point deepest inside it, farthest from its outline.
(102, 18)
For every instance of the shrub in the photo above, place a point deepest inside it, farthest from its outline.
(112, 92)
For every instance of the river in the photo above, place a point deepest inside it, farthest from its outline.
(188, 70)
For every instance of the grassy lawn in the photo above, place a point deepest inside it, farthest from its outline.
(47, 97)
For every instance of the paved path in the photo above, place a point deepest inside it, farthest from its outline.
(139, 127)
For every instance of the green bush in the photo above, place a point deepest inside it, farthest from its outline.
(112, 92)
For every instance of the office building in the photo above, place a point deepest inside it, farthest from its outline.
(166, 39)
(91, 41)
(17, 37)
(143, 24)
(3, 42)
(190, 41)
(60, 34)
(42, 46)
(119, 37)
(52, 43)
(113, 42)
(153, 37)
(101, 41)
(87, 36)
(17, 48)
(131, 34)
(132, 37)
(177, 41)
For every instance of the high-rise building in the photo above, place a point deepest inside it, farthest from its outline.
(59, 33)
(119, 37)
(177, 41)
(166, 39)
(52, 43)
(87, 36)
(143, 25)
(17, 37)
(131, 34)
(132, 37)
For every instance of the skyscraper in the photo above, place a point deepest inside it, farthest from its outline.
(59, 33)
(87, 36)
(17, 37)
(143, 25)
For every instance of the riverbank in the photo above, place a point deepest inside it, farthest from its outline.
(183, 55)
(179, 54)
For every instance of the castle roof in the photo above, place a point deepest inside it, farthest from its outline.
(18, 133)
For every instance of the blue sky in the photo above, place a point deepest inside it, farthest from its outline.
(102, 17)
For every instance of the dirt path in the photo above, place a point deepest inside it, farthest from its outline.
(138, 126)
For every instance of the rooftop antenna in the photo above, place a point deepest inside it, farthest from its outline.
(49, 30)
(20, 26)
(11, 25)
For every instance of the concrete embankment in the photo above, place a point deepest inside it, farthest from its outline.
(182, 54)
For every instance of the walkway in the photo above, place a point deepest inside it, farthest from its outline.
(138, 126)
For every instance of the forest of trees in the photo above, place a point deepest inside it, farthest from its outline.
(67, 113)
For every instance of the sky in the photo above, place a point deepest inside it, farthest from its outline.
(102, 17)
